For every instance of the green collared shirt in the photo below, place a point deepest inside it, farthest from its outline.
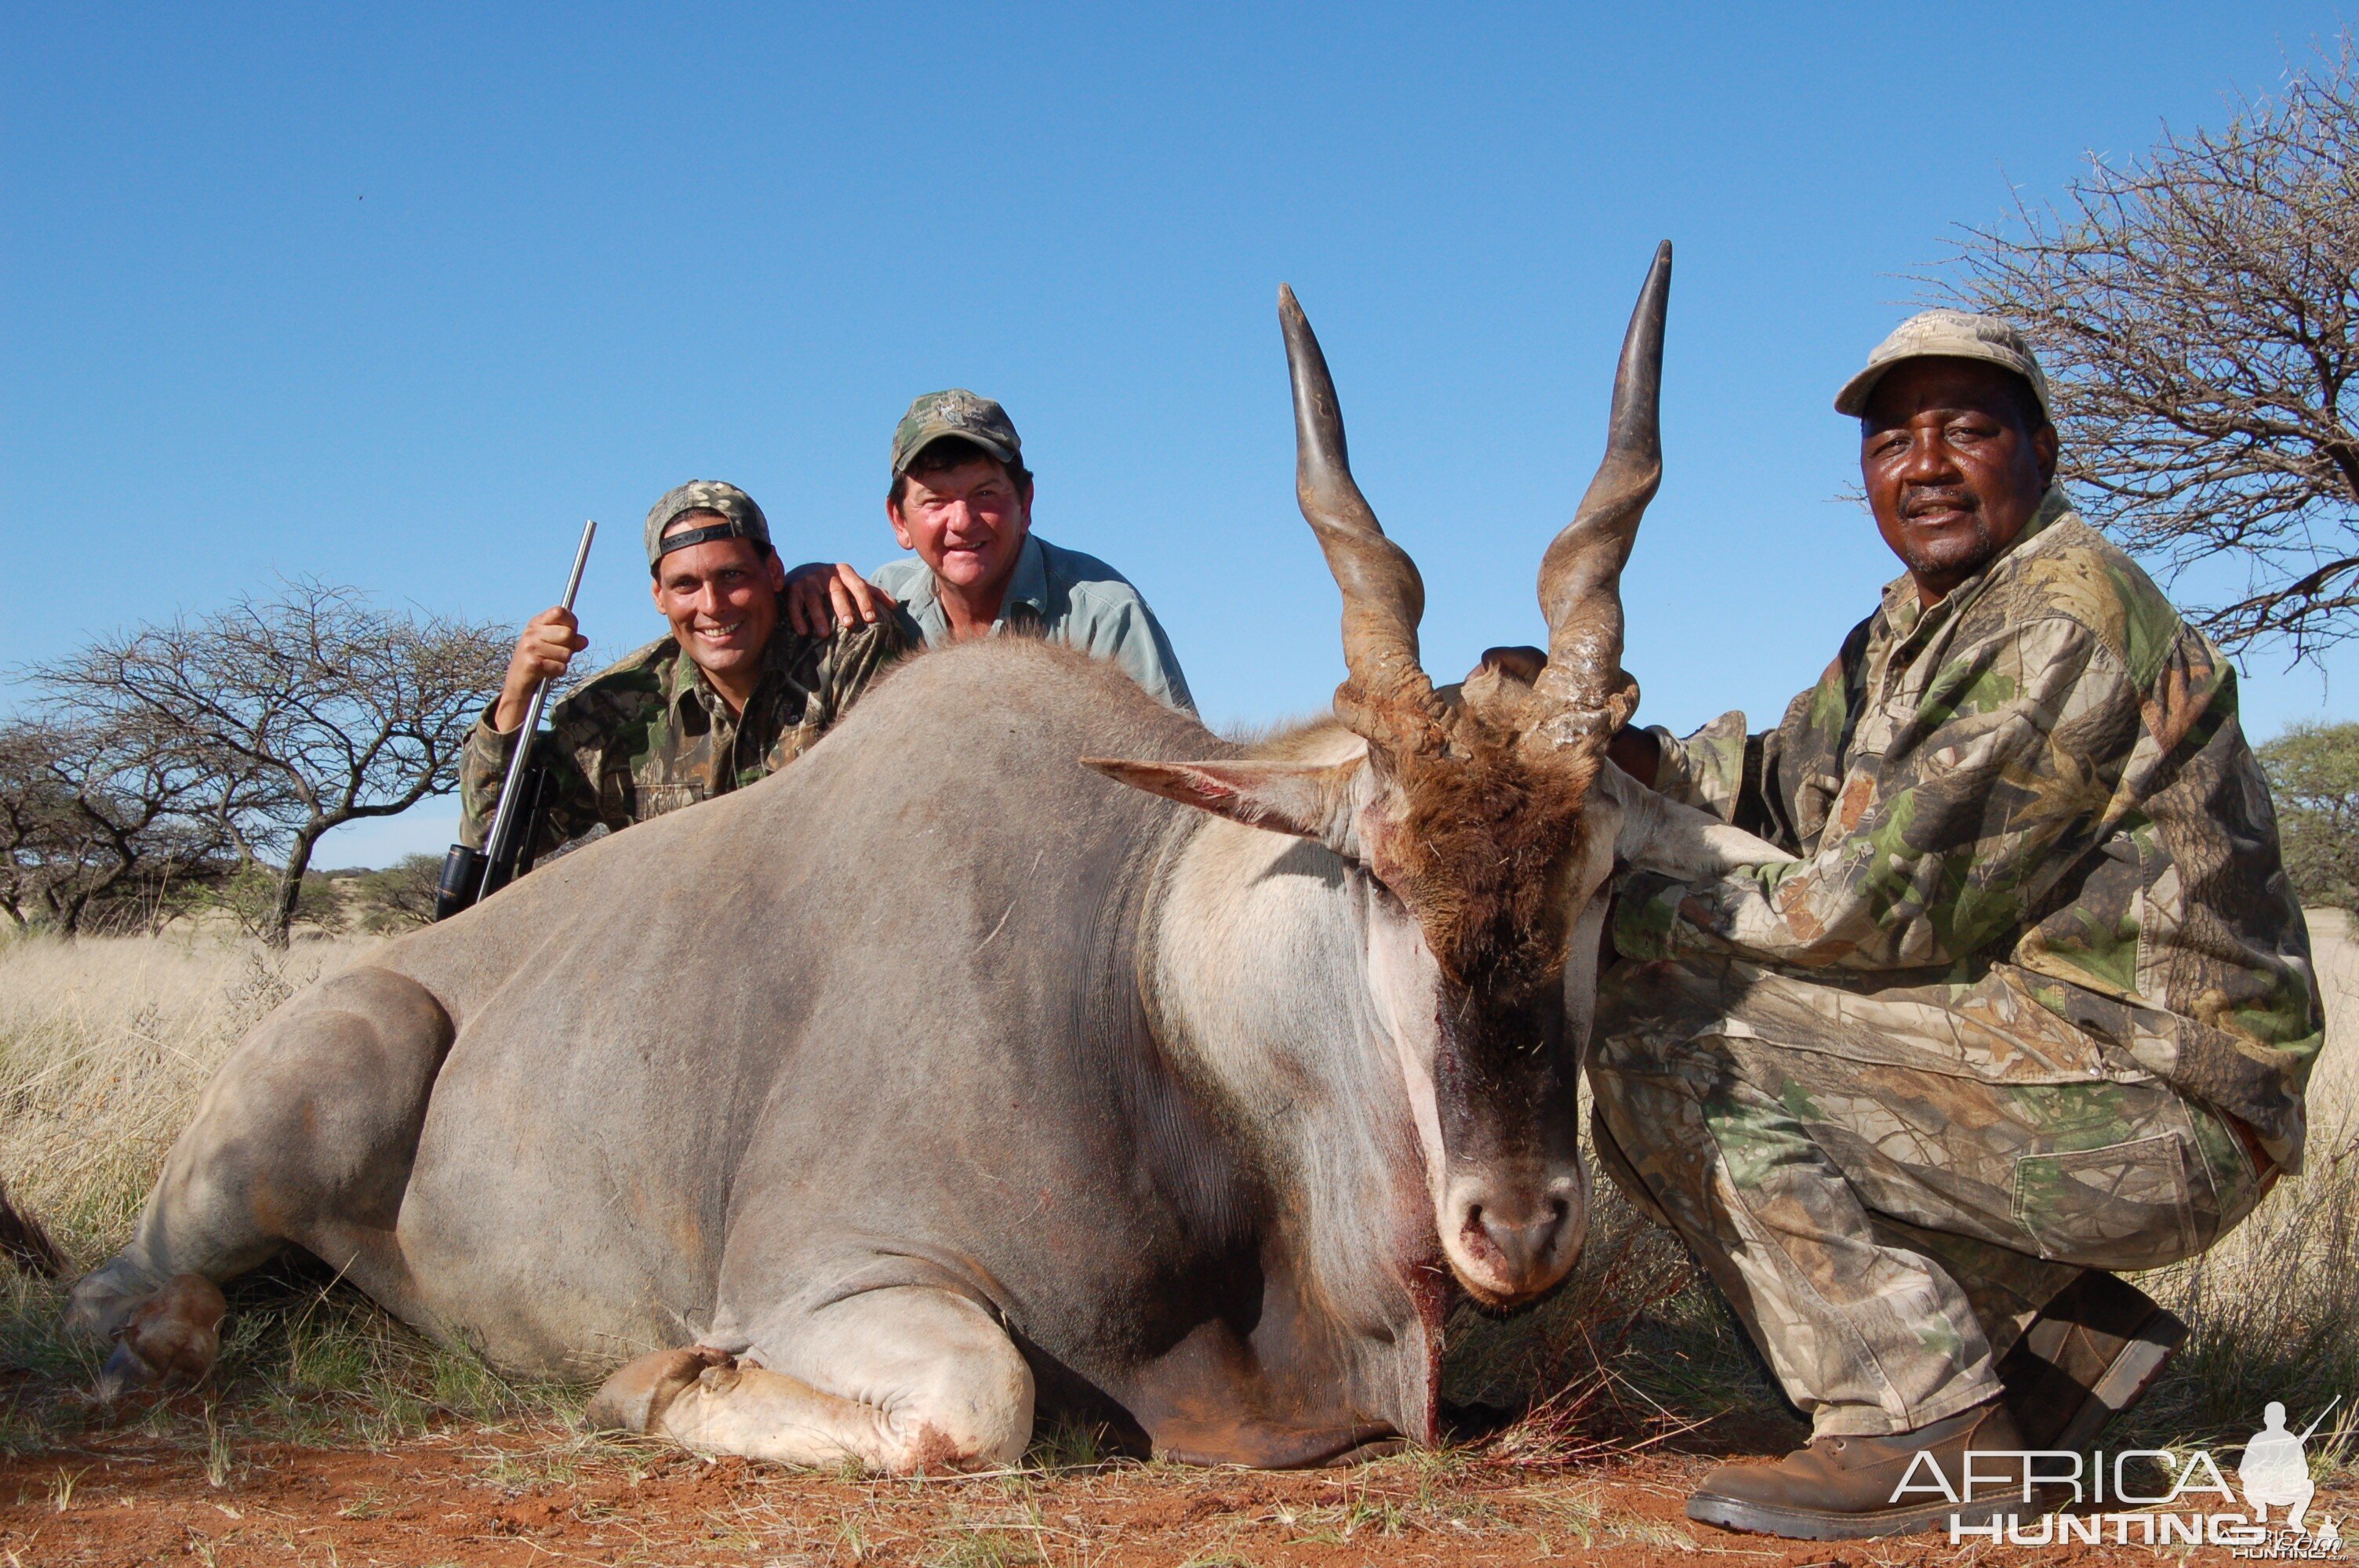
(1066, 597)
(650, 733)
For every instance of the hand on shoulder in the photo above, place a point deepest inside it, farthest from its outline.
(820, 598)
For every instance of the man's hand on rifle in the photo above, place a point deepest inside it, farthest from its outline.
(548, 645)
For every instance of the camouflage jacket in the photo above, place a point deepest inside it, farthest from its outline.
(2037, 786)
(650, 734)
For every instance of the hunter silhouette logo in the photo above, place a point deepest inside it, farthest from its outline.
(2276, 1467)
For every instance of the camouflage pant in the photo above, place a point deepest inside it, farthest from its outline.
(1888, 1186)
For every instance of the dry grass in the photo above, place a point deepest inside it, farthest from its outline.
(104, 1043)
(2275, 1308)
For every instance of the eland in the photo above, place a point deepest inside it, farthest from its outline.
(942, 1080)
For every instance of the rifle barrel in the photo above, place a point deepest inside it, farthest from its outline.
(505, 815)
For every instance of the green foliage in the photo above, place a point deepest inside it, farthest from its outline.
(1068, 1443)
(2313, 771)
(400, 897)
(101, 826)
(250, 896)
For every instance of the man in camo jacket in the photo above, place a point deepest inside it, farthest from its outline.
(729, 698)
(2034, 1003)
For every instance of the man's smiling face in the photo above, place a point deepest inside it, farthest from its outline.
(722, 599)
(1953, 466)
(968, 524)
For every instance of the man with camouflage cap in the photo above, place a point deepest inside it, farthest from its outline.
(729, 697)
(2034, 1003)
(961, 499)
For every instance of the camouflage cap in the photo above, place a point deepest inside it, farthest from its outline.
(741, 518)
(960, 413)
(1946, 334)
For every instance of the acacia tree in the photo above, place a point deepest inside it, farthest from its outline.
(310, 709)
(93, 814)
(401, 895)
(2195, 311)
(2314, 774)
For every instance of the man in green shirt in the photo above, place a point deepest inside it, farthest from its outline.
(961, 499)
(729, 698)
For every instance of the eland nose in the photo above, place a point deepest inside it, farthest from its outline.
(1523, 1242)
(1519, 1238)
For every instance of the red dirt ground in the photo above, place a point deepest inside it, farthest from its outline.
(513, 1498)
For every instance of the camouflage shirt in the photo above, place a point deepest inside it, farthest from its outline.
(2036, 786)
(650, 734)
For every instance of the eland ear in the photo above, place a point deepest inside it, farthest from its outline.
(1309, 800)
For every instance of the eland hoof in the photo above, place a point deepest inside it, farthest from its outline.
(636, 1397)
(173, 1336)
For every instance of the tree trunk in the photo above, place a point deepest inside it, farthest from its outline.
(280, 928)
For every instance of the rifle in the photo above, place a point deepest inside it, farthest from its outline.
(470, 876)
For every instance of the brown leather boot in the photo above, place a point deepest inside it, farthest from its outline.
(1842, 1488)
(2090, 1355)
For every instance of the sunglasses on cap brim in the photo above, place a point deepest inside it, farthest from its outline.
(693, 536)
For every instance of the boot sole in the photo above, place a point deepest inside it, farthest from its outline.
(1809, 1524)
(2125, 1381)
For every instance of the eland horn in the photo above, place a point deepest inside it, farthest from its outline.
(1585, 693)
(1388, 698)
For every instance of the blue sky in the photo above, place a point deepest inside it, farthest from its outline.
(398, 299)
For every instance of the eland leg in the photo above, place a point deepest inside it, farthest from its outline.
(305, 1136)
(904, 1380)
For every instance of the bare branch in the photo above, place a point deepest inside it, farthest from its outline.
(2197, 314)
(95, 818)
(304, 710)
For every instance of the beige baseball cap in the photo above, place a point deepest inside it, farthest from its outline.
(1952, 335)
